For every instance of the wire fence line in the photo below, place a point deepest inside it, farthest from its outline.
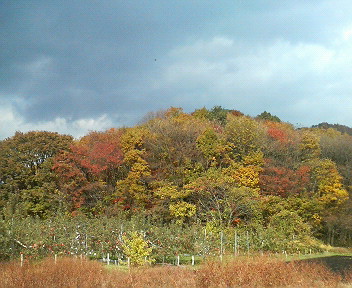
(97, 238)
(213, 245)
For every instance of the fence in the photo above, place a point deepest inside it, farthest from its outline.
(192, 244)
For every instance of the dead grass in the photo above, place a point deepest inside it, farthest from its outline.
(265, 272)
(251, 272)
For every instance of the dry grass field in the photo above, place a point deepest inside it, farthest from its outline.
(245, 272)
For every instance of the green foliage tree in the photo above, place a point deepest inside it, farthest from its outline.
(213, 148)
(218, 114)
(268, 117)
(26, 181)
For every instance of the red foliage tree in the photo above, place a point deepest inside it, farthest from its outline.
(91, 166)
(277, 132)
(283, 181)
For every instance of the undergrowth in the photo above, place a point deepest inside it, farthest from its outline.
(250, 272)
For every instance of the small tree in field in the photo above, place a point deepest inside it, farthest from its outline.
(136, 248)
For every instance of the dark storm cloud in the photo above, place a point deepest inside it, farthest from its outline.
(99, 54)
(81, 58)
(117, 60)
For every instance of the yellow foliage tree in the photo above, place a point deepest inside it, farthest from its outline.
(182, 210)
(168, 191)
(134, 187)
(309, 146)
(246, 172)
(244, 135)
(329, 188)
(136, 248)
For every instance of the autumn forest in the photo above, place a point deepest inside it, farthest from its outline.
(192, 174)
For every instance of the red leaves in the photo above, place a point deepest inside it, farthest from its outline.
(96, 158)
(284, 182)
(276, 131)
(98, 152)
(93, 155)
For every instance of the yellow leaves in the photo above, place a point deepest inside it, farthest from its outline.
(181, 210)
(317, 219)
(133, 138)
(255, 159)
(173, 112)
(134, 185)
(309, 146)
(140, 168)
(246, 173)
(244, 133)
(330, 190)
(246, 177)
(132, 156)
(202, 113)
(136, 248)
(207, 142)
(171, 192)
(333, 193)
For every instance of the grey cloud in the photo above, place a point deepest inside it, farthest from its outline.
(85, 58)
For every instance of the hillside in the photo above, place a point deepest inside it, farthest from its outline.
(338, 127)
(217, 170)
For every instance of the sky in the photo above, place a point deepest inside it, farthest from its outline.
(89, 65)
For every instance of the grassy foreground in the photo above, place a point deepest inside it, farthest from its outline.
(250, 272)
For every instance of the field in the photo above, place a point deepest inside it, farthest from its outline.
(241, 272)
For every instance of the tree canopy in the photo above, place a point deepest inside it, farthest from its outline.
(217, 167)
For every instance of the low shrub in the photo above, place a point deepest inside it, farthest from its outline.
(241, 272)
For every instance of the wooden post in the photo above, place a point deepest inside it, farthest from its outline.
(55, 259)
(192, 260)
(235, 247)
(108, 259)
(21, 259)
(128, 262)
(178, 260)
(247, 242)
(221, 244)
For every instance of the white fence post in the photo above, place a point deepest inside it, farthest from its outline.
(235, 248)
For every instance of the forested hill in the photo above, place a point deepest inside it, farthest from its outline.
(338, 127)
(217, 168)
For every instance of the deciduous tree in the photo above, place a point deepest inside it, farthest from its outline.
(26, 180)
